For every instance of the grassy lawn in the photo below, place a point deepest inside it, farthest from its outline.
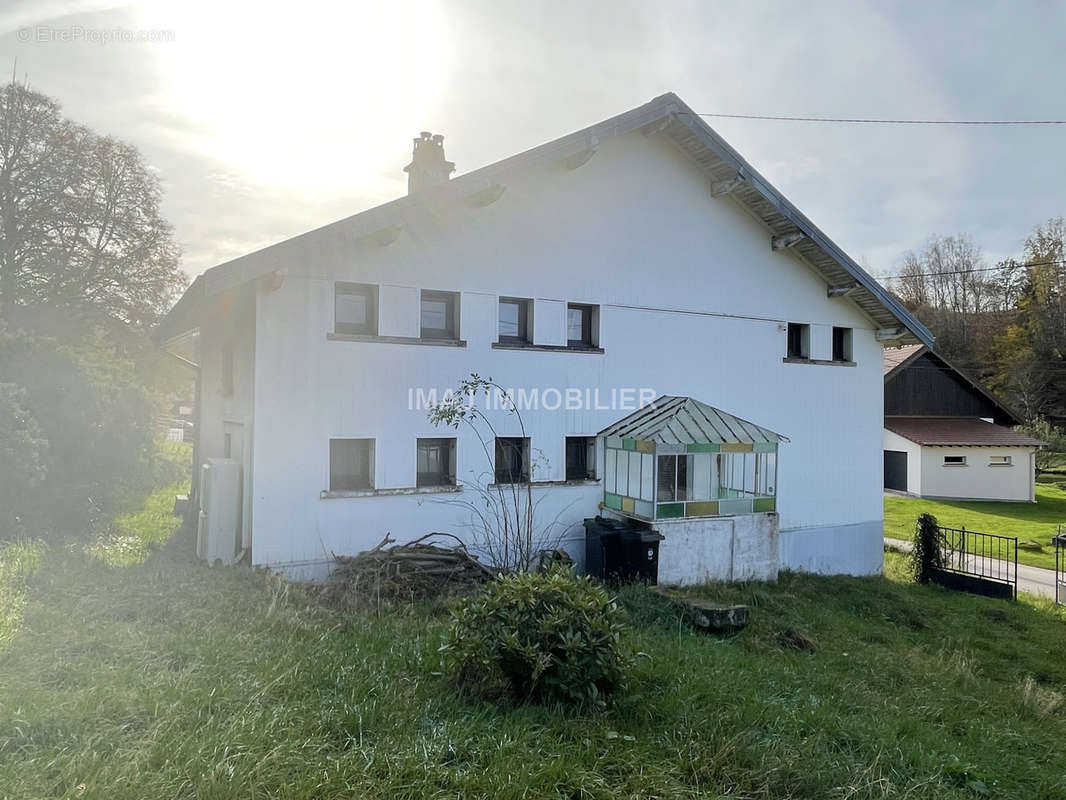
(168, 678)
(1028, 521)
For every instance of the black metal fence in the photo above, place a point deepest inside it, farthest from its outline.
(1060, 566)
(983, 563)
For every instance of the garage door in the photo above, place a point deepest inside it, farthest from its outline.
(896, 470)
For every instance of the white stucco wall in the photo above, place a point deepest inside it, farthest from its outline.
(225, 412)
(977, 480)
(692, 302)
(893, 441)
(741, 548)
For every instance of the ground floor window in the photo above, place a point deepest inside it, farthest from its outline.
(436, 462)
(580, 458)
(351, 464)
(512, 459)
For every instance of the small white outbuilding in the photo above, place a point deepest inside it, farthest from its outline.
(946, 436)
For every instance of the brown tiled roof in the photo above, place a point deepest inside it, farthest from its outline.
(894, 356)
(958, 431)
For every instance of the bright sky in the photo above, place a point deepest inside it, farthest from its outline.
(265, 119)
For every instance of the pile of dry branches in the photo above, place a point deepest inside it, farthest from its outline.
(404, 573)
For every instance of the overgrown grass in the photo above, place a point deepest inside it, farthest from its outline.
(173, 679)
(150, 521)
(1030, 522)
(132, 536)
(18, 562)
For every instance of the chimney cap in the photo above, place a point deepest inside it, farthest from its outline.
(428, 165)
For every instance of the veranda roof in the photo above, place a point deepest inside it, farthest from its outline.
(682, 420)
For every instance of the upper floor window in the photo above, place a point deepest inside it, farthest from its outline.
(580, 458)
(516, 320)
(799, 340)
(355, 309)
(440, 315)
(999, 461)
(842, 344)
(512, 459)
(436, 462)
(351, 464)
(580, 325)
(954, 461)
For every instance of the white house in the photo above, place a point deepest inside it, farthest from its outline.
(638, 257)
(946, 436)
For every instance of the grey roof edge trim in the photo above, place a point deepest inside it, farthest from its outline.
(724, 151)
(245, 267)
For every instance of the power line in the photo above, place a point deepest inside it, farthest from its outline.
(1051, 263)
(876, 121)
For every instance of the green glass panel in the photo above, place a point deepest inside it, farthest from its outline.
(629, 444)
(627, 505)
(734, 507)
(612, 501)
(670, 510)
(765, 504)
(704, 447)
(766, 447)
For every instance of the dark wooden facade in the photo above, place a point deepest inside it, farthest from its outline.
(927, 386)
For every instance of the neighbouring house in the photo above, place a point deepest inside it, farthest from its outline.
(946, 436)
(640, 257)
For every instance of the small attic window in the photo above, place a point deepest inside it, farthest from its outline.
(799, 340)
(842, 344)
(954, 461)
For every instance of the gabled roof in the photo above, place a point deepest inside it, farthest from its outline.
(896, 361)
(897, 356)
(958, 431)
(682, 420)
(666, 115)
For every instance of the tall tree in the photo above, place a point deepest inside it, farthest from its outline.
(80, 225)
(946, 284)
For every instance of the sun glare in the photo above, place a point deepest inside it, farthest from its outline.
(314, 96)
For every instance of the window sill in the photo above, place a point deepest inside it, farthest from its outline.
(1001, 465)
(326, 494)
(353, 337)
(545, 484)
(955, 466)
(546, 348)
(817, 361)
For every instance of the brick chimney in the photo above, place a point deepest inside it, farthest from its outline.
(428, 167)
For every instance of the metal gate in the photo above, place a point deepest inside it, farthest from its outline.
(982, 563)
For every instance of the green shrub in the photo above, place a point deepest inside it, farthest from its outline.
(542, 637)
(925, 555)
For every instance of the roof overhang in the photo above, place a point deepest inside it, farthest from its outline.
(730, 176)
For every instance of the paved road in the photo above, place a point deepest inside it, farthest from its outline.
(1033, 580)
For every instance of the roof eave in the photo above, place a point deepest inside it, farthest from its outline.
(752, 176)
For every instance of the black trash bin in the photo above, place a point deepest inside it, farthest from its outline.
(640, 547)
(604, 556)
